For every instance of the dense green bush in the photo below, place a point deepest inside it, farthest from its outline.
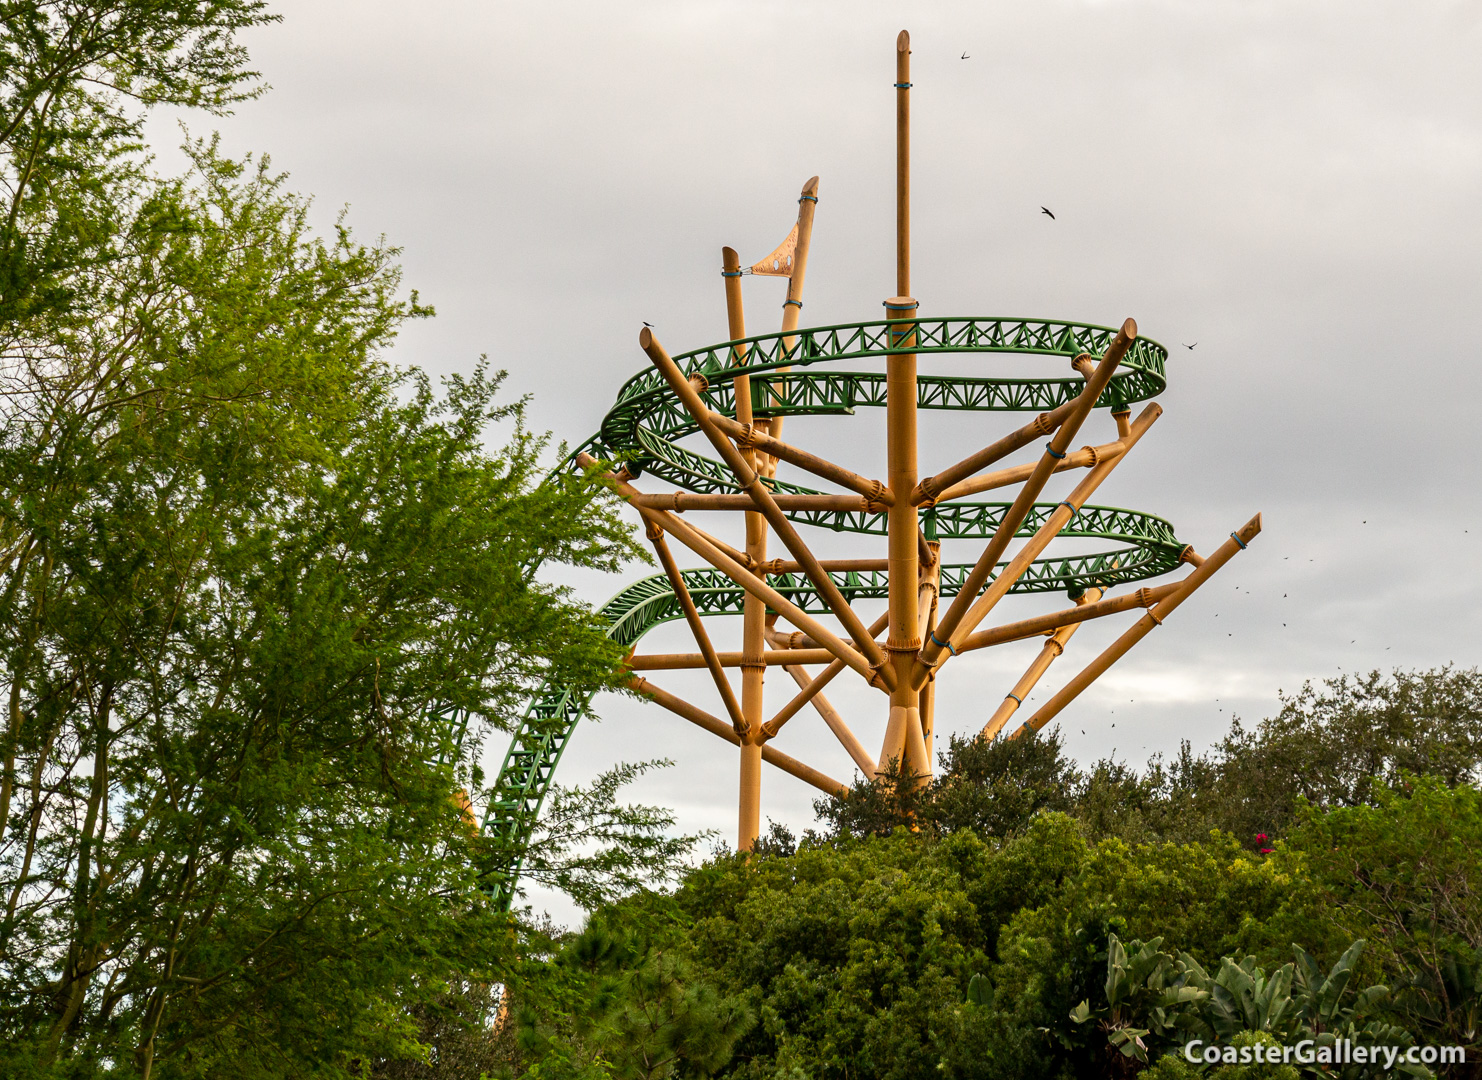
(962, 928)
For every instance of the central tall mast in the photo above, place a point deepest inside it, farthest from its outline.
(903, 734)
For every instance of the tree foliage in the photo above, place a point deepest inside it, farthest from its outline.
(261, 594)
(1324, 748)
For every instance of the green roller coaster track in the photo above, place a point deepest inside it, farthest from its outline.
(643, 429)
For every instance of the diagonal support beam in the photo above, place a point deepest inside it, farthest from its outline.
(1154, 617)
(1055, 451)
(929, 592)
(1051, 651)
(822, 679)
(1058, 519)
(716, 726)
(690, 538)
(934, 488)
(1048, 624)
(747, 477)
(1086, 457)
(792, 307)
(749, 437)
(680, 501)
(697, 627)
(835, 723)
(769, 658)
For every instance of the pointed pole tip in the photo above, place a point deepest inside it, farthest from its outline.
(903, 41)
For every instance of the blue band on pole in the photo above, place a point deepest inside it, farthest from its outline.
(798, 302)
(913, 305)
(1016, 697)
(810, 198)
(1049, 449)
(903, 86)
(730, 273)
(942, 644)
(1074, 509)
(1238, 541)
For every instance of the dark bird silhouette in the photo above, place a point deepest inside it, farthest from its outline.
(1188, 346)
(1046, 210)
(649, 325)
(965, 56)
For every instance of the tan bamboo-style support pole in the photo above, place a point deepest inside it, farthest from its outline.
(903, 732)
(697, 627)
(752, 483)
(858, 566)
(933, 488)
(730, 272)
(903, 164)
(716, 726)
(1054, 646)
(822, 679)
(903, 735)
(1085, 458)
(792, 307)
(928, 593)
(690, 538)
(1153, 617)
(1048, 624)
(1055, 450)
(465, 810)
(680, 501)
(747, 436)
(1059, 518)
(753, 608)
(794, 640)
(718, 544)
(836, 724)
(685, 661)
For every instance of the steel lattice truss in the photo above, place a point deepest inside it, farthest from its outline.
(736, 395)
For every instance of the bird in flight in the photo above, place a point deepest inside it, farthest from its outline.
(1189, 347)
(965, 56)
(1046, 210)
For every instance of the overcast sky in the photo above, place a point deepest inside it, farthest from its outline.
(1293, 186)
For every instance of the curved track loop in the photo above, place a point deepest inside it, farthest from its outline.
(644, 426)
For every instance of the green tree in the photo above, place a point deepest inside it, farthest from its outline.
(1326, 745)
(254, 583)
(1404, 871)
(993, 788)
(625, 998)
(76, 81)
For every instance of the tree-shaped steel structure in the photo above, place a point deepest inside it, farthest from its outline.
(736, 395)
